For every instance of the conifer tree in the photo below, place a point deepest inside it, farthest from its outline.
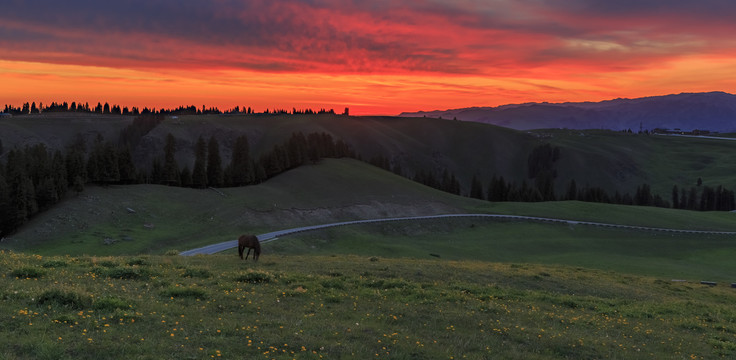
(6, 225)
(199, 173)
(58, 171)
(476, 188)
(171, 169)
(127, 170)
(241, 169)
(214, 164)
(675, 197)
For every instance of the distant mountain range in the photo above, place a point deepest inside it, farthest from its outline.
(713, 111)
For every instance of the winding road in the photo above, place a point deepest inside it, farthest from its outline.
(268, 237)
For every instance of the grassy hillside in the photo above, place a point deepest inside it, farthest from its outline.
(611, 160)
(620, 161)
(168, 218)
(57, 130)
(313, 307)
(98, 220)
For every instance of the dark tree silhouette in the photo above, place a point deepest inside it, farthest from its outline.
(171, 169)
(199, 174)
(241, 167)
(675, 197)
(215, 176)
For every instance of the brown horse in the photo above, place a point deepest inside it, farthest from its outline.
(250, 242)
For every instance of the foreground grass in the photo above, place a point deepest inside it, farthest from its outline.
(311, 307)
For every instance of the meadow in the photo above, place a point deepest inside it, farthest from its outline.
(349, 306)
(99, 221)
(450, 289)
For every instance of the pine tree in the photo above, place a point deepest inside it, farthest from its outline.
(109, 167)
(572, 191)
(643, 196)
(214, 164)
(58, 171)
(476, 188)
(199, 173)
(692, 199)
(6, 225)
(157, 172)
(186, 177)
(22, 204)
(683, 201)
(126, 168)
(675, 197)
(171, 169)
(240, 166)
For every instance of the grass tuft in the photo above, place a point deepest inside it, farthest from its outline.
(54, 263)
(65, 299)
(184, 292)
(27, 272)
(111, 303)
(255, 277)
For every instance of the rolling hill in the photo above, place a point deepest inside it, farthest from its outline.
(154, 219)
(715, 111)
(614, 161)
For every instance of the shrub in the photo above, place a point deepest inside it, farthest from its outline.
(255, 277)
(67, 299)
(137, 261)
(126, 273)
(56, 263)
(196, 273)
(387, 284)
(108, 263)
(110, 303)
(27, 273)
(184, 292)
(333, 284)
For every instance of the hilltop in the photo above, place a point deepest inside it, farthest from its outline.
(714, 111)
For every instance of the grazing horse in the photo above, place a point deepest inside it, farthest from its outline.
(250, 242)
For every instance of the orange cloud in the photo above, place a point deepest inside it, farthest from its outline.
(374, 57)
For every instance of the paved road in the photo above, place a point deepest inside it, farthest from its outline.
(268, 237)
(701, 137)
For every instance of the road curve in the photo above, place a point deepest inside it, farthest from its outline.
(268, 237)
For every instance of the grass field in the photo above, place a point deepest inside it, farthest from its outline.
(449, 289)
(664, 255)
(333, 307)
(618, 161)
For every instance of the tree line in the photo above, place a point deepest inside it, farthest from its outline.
(114, 109)
(540, 186)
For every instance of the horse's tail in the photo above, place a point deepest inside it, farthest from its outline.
(257, 248)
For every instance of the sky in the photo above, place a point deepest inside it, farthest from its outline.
(375, 57)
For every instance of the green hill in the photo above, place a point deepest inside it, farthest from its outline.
(611, 160)
(623, 161)
(154, 219)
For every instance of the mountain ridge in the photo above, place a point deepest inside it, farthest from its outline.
(714, 111)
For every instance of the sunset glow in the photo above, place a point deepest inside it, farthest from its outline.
(376, 57)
